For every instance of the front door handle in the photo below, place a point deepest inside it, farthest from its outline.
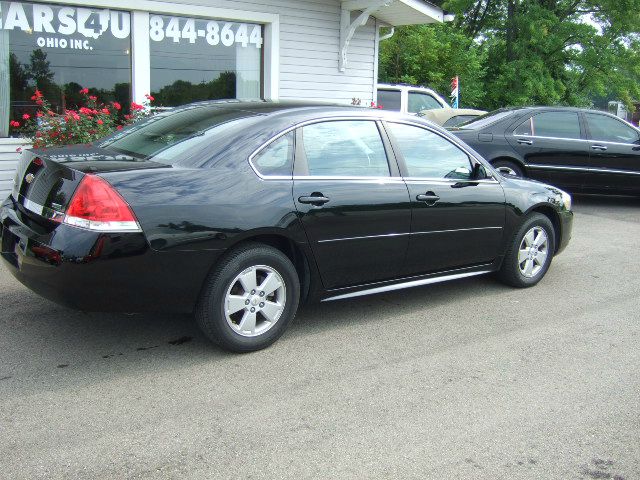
(524, 141)
(599, 147)
(315, 198)
(429, 198)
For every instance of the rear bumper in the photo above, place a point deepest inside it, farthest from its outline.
(93, 271)
(566, 228)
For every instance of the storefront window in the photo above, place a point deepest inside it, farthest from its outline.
(202, 59)
(61, 50)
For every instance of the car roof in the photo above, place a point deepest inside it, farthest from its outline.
(553, 107)
(403, 86)
(295, 109)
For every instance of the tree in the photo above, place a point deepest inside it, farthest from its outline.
(553, 52)
(431, 56)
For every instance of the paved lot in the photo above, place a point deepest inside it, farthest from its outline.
(461, 380)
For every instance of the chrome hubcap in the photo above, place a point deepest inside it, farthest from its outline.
(255, 300)
(533, 252)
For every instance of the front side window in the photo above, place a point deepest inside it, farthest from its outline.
(196, 59)
(60, 50)
(276, 158)
(349, 148)
(428, 155)
(607, 129)
(390, 100)
(419, 101)
(551, 124)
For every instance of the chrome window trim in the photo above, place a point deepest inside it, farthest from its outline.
(493, 179)
(363, 179)
(586, 170)
(407, 233)
(578, 140)
(302, 124)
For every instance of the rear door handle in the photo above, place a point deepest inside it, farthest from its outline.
(524, 141)
(429, 198)
(599, 147)
(314, 199)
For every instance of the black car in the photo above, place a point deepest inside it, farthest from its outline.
(577, 150)
(239, 211)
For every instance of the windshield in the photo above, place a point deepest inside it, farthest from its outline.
(486, 119)
(175, 135)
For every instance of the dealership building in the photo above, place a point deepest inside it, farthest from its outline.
(190, 50)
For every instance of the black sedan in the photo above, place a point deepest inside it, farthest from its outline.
(239, 211)
(578, 150)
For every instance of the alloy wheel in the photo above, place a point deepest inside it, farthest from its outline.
(255, 300)
(533, 252)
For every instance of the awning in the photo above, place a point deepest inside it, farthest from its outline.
(390, 12)
(398, 12)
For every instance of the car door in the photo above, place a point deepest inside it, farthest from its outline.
(353, 204)
(456, 221)
(554, 148)
(615, 154)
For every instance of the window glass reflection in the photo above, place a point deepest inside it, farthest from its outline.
(428, 155)
(196, 59)
(60, 50)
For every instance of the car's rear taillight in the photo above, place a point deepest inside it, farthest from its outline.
(96, 205)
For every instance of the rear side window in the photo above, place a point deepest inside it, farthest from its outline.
(389, 100)
(551, 124)
(276, 159)
(458, 119)
(428, 155)
(419, 101)
(351, 148)
(607, 129)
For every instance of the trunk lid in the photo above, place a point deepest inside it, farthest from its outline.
(47, 178)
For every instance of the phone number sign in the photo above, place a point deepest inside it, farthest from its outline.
(180, 29)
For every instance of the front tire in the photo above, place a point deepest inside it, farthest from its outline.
(530, 253)
(249, 299)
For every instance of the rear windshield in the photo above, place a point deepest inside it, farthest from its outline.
(176, 135)
(486, 119)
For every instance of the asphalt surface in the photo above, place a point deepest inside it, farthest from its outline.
(465, 380)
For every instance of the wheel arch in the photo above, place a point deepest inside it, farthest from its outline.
(282, 241)
(552, 214)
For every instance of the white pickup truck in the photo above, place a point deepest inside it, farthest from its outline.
(408, 99)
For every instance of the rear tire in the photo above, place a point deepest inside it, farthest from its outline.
(530, 253)
(507, 167)
(249, 299)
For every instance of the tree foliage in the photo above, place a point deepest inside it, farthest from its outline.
(524, 52)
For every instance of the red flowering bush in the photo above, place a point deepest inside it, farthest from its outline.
(86, 124)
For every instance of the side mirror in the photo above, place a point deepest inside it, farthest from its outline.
(479, 172)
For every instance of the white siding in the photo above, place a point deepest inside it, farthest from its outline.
(8, 162)
(308, 56)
